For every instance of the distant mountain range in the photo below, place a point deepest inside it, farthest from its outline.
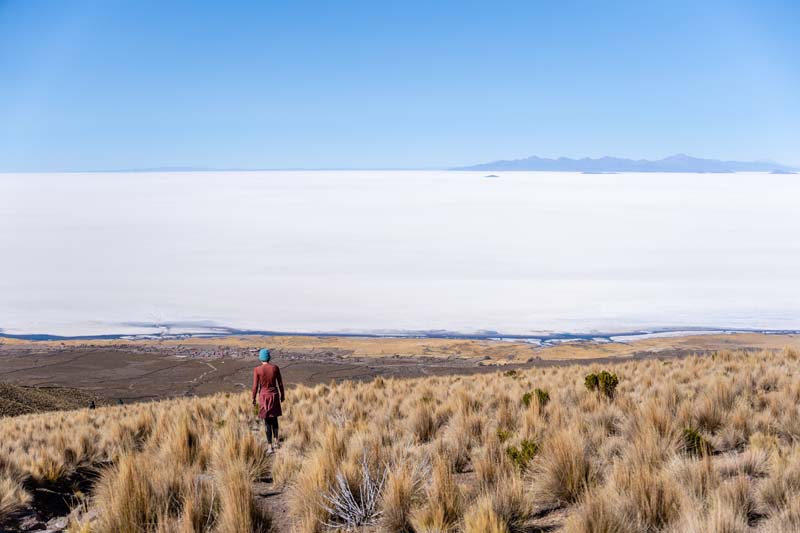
(673, 163)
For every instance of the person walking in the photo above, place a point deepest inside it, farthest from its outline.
(268, 392)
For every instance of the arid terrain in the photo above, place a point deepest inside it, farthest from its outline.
(404, 435)
(702, 443)
(135, 370)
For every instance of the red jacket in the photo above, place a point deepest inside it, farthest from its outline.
(268, 388)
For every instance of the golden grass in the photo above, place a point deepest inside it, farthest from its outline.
(12, 496)
(440, 444)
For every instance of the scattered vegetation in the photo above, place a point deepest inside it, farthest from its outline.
(539, 395)
(694, 443)
(604, 383)
(502, 435)
(698, 445)
(522, 455)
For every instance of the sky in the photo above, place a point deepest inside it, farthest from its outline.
(107, 84)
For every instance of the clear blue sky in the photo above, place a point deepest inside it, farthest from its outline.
(276, 84)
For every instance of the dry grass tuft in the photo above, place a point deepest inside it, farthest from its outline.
(510, 502)
(443, 504)
(482, 518)
(649, 497)
(12, 496)
(563, 470)
(238, 512)
(401, 494)
(598, 512)
(131, 498)
(423, 423)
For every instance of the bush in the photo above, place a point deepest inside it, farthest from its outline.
(694, 443)
(541, 396)
(526, 399)
(604, 383)
(608, 383)
(503, 435)
(521, 456)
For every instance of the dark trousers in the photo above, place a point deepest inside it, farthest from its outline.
(271, 426)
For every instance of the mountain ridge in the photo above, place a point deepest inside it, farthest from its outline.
(673, 163)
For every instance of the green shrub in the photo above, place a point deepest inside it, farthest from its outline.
(694, 443)
(608, 383)
(521, 456)
(526, 399)
(541, 396)
(503, 435)
(604, 382)
(510, 373)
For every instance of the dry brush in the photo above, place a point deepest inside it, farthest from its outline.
(697, 444)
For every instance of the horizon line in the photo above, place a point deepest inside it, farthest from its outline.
(462, 167)
(222, 331)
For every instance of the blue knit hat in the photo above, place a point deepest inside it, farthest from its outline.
(263, 355)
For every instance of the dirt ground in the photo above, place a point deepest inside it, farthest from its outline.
(145, 369)
(134, 376)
